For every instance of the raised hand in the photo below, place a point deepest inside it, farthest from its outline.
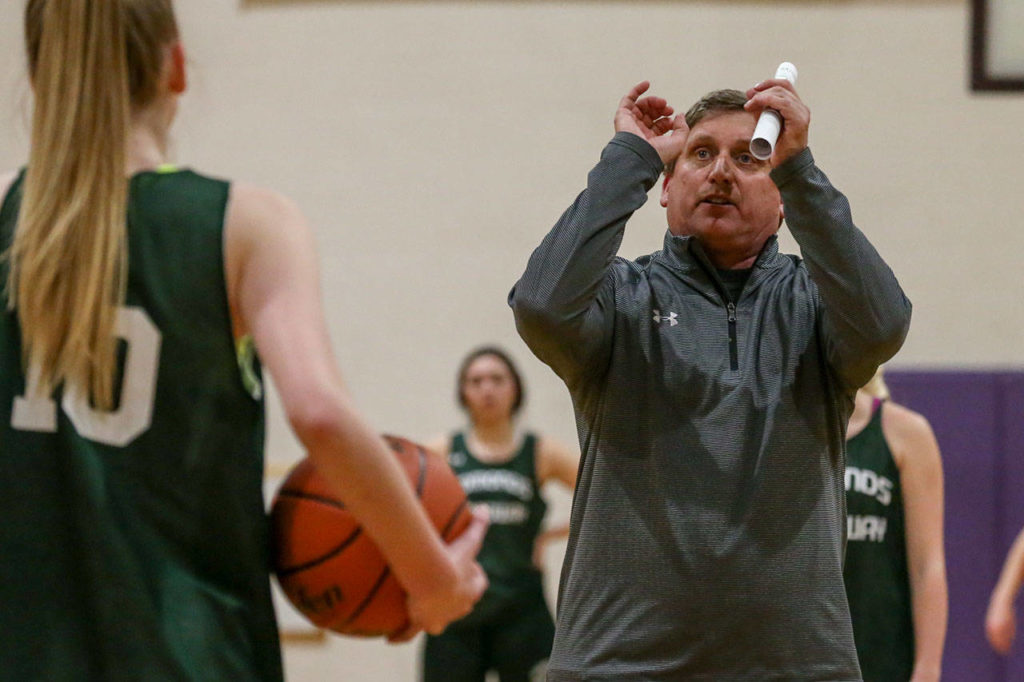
(651, 118)
(779, 94)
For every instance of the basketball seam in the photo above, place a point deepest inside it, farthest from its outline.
(453, 518)
(421, 483)
(369, 596)
(312, 498)
(285, 572)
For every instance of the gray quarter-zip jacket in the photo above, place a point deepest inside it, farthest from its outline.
(707, 530)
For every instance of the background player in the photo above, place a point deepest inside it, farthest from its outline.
(504, 469)
(895, 570)
(134, 537)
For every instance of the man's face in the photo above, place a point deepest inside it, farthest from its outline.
(719, 193)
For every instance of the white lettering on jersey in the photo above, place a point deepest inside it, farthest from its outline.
(507, 513)
(866, 528)
(497, 481)
(867, 482)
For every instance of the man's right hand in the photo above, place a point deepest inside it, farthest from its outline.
(434, 610)
(651, 119)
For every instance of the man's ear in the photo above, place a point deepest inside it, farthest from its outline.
(177, 78)
(664, 189)
(782, 213)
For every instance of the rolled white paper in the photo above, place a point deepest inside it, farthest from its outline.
(766, 133)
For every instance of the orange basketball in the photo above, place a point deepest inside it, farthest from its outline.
(329, 568)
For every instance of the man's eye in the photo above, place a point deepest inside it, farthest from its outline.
(745, 158)
(703, 154)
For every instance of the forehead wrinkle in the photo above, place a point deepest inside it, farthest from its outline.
(703, 138)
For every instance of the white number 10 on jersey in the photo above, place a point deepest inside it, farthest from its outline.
(138, 391)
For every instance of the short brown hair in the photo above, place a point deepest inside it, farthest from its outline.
(715, 102)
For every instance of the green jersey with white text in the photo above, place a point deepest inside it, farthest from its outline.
(875, 572)
(135, 541)
(511, 493)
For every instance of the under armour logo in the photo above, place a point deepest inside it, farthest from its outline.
(670, 318)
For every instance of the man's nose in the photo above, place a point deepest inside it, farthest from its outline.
(721, 169)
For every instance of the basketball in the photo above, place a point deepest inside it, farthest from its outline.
(329, 568)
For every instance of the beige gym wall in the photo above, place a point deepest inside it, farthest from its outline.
(432, 144)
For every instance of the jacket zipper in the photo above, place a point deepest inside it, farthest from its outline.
(734, 361)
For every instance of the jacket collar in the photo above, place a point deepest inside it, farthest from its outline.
(686, 257)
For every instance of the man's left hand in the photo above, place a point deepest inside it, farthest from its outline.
(780, 95)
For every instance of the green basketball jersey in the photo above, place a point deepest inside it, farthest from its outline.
(134, 543)
(510, 491)
(875, 573)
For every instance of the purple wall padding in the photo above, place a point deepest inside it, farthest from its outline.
(1010, 489)
(978, 419)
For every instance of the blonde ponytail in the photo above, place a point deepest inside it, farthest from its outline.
(877, 387)
(69, 254)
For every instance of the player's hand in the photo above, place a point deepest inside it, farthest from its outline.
(780, 95)
(434, 611)
(651, 118)
(1000, 625)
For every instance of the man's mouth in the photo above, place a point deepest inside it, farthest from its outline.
(717, 201)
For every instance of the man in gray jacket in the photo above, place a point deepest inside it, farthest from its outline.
(712, 383)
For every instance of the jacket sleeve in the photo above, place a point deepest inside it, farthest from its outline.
(564, 304)
(864, 314)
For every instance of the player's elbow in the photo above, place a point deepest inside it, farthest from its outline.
(317, 420)
(933, 569)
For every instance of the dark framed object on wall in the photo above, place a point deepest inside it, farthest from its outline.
(997, 45)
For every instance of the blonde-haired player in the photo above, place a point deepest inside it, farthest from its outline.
(895, 570)
(134, 537)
